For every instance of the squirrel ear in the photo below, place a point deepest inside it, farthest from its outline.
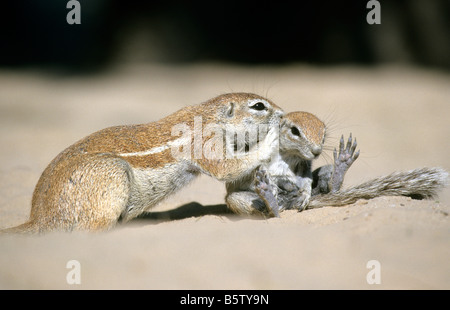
(230, 110)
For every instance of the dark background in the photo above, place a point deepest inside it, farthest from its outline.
(36, 34)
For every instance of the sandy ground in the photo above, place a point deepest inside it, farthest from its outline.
(399, 115)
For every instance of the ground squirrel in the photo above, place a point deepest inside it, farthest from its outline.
(121, 171)
(289, 183)
(288, 176)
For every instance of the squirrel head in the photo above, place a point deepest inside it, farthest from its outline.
(241, 130)
(246, 109)
(302, 134)
(245, 116)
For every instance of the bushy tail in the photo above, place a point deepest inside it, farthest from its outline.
(422, 183)
(26, 228)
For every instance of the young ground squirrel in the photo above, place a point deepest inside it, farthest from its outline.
(288, 182)
(121, 171)
(285, 182)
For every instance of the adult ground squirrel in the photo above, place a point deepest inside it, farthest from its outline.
(289, 183)
(121, 171)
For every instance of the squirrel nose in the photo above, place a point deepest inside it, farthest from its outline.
(279, 113)
(316, 150)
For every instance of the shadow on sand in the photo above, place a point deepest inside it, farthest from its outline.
(192, 209)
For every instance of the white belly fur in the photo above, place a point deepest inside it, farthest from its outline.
(151, 186)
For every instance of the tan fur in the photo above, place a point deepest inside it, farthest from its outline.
(308, 145)
(312, 127)
(124, 170)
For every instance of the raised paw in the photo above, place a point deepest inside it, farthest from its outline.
(264, 190)
(347, 155)
(342, 162)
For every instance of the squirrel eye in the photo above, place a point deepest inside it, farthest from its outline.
(295, 131)
(259, 106)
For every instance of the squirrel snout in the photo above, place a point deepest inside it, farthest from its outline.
(317, 150)
(279, 113)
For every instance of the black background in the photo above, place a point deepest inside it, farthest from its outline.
(35, 33)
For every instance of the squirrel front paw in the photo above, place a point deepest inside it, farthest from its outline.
(303, 201)
(304, 193)
(294, 194)
(268, 147)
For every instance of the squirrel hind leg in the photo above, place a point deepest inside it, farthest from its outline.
(102, 207)
(88, 197)
(267, 192)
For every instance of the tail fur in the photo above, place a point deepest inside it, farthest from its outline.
(423, 183)
(26, 228)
